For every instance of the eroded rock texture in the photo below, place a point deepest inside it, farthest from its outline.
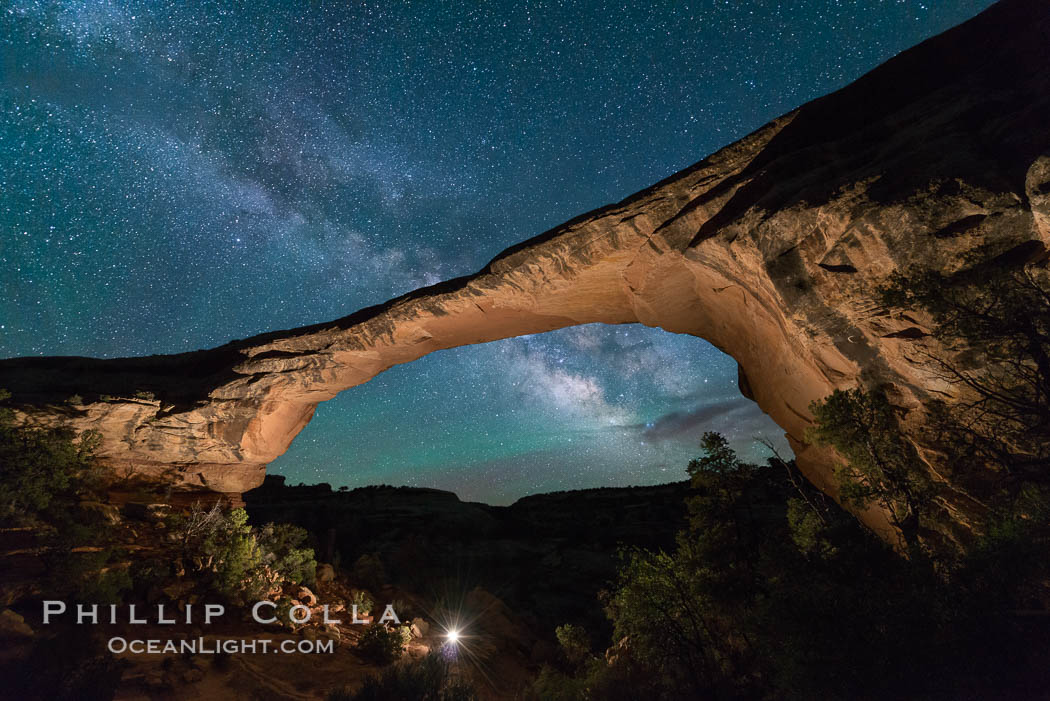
(771, 249)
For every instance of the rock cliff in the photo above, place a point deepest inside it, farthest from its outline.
(771, 249)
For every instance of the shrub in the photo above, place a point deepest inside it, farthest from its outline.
(43, 474)
(190, 529)
(72, 666)
(369, 572)
(233, 555)
(595, 680)
(773, 592)
(380, 646)
(427, 679)
(106, 586)
(404, 610)
(244, 563)
(281, 544)
(150, 574)
(362, 601)
(89, 576)
(574, 642)
(553, 685)
(40, 465)
(880, 467)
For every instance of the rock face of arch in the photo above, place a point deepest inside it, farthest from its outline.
(771, 249)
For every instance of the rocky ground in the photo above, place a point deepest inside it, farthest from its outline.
(503, 576)
(546, 556)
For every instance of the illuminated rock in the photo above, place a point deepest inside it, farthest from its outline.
(771, 249)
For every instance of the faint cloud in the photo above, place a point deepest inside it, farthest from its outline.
(677, 425)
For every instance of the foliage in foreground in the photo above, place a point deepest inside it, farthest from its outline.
(381, 646)
(71, 666)
(775, 592)
(879, 467)
(48, 480)
(993, 318)
(428, 679)
(39, 466)
(243, 563)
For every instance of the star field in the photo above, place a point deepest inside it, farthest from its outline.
(177, 174)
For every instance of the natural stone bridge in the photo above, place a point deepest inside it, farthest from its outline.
(771, 249)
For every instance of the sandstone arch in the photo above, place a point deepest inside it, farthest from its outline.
(770, 249)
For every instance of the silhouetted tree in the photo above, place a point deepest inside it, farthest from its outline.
(994, 319)
(880, 467)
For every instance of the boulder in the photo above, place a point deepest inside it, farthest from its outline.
(325, 573)
(419, 628)
(14, 625)
(307, 597)
(108, 513)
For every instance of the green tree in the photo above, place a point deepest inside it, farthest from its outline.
(242, 562)
(771, 592)
(281, 544)
(41, 465)
(574, 642)
(364, 603)
(236, 558)
(44, 472)
(993, 319)
(369, 572)
(379, 645)
(688, 615)
(880, 467)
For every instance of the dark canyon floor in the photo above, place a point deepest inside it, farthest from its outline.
(505, 575)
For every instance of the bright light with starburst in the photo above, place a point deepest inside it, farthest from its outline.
(453, 636)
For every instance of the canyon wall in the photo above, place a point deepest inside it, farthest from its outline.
(771, 249)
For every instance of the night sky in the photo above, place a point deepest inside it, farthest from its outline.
(177, 174)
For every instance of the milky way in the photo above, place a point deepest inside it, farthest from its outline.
(177, 174)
